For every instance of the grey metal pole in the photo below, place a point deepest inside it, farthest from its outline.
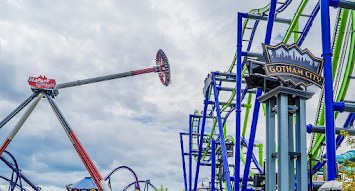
(90, 166)
(18, 109)
(264, 18)
(19, 124)
(270, 165)
(92, 80)
(283, 142)
(349, 107)
(25, 116)
(346, 4)
(291, 163)
(321, 129)
(301, 144)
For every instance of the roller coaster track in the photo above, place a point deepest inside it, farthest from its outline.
(11, 182)
(339, 139)
(147, 183)
(261, 11)
(253, 29)
(19, 173)
(339, 51)
(339, 95)
(343, 30)
(108, 176)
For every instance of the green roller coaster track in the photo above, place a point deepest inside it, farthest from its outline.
(260, 11)
(320, 138)
(293, 26)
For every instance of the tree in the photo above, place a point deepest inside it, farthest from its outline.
(162, 188)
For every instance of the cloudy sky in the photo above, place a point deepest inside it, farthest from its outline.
(133, 121)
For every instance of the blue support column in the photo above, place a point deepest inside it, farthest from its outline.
(190, 153)
(244, 141)
(183, 160)
(221, 134)
(270, 22)
(251, 142)
(339, 140)
(201, 137)
(328, 93)
(238, 102)
(213, 165)
(257, 103)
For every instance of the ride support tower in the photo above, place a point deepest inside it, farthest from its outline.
(44, 87)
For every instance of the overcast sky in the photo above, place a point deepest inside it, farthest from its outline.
(133, 121)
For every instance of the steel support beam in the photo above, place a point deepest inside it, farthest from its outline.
(321, 129)
(342, 4)
(202, 133)
(18, 109)
(221, 135)
(270, 165)
(283, 181)
(251, 142)
(213, 165)
(90, 166)
(291, 168)
(20, 123)
(92, 80)
(328, 93)
(183, 160)
(238, 100)
(190, 152)
(264, 18)
(301, 147)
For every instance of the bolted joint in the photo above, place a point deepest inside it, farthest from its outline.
(157, 68)
(50, 92)
(334, 3)
(327, 54)
(207, 102)
(339, 106)
(309, 128)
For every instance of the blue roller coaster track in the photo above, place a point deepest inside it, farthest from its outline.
(17, 176)
(216, 149)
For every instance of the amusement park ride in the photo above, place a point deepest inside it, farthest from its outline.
(43, 87)
(279, 78)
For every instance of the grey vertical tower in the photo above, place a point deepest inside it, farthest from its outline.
(283, 103)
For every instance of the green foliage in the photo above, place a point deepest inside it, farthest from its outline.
(162, 188)
(349, 184)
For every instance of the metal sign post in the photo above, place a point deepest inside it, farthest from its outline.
(284, 73)
(282, 104)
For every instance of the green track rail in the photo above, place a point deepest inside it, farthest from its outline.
(320, 138)
(260, 11)
(294, 22)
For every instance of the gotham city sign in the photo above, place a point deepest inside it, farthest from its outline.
(291, 64)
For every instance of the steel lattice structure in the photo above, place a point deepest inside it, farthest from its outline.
(215, 148)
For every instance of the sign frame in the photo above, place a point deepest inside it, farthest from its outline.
(290, 63)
